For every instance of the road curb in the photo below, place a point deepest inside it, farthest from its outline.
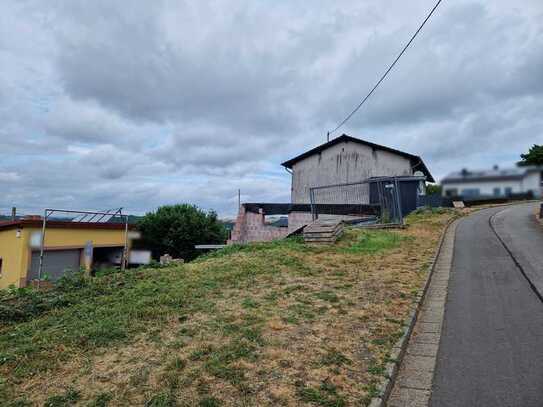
(399, 349)
(538, 214)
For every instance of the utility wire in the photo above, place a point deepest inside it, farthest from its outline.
(387, 71)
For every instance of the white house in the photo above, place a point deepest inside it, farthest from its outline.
(495, 182)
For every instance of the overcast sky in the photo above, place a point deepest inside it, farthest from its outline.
(137, 104)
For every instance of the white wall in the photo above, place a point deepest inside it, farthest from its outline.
(342, 163)
(532, 182)
(486, 187)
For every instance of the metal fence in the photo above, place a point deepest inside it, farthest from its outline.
(359, 200)
(434, 201)
(64, 215)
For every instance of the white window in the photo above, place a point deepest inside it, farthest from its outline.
(451, 192)
(471, 192)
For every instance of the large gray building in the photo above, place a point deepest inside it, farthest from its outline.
(346, 159)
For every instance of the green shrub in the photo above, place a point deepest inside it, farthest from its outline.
(176, 229)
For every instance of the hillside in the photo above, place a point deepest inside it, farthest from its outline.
(279, 323)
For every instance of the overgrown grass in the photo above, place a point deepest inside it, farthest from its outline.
(238, 326)
(374, 241)
(429, 214)
(326, 394)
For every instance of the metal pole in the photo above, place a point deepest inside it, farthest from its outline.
(312, 201)
(42, 244)
(125, 250)
(239, 199)
(380, 193)
(398, 200)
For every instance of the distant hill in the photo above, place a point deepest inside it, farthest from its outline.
(132, 219)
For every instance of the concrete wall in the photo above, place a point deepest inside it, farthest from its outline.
(342, 163)
(532, 182)
(77, 238)
(298, 219)
(251, 227)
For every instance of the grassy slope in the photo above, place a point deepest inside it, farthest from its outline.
(279, 323)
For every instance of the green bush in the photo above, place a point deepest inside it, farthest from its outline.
(25, 303)
(176, 229)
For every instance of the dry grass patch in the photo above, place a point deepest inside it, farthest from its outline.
(273, 324)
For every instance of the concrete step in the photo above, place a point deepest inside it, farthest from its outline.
(323, 231)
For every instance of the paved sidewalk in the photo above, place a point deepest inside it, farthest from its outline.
(414, 382)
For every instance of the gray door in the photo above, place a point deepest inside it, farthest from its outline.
(55, 263)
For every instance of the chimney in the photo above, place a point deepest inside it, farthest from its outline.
(13, 213)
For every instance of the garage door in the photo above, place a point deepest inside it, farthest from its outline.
(55, 263)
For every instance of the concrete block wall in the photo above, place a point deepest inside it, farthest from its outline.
(251, 227)
(238, 232)
(298, 219)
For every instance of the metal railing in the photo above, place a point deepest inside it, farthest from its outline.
(359, 199)
(82, 217)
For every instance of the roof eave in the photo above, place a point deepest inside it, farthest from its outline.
(38, 223)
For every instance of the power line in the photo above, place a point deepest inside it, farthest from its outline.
(388, 70)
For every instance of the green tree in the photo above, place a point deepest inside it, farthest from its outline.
(175, 229)
(533, 157)
(433, 189)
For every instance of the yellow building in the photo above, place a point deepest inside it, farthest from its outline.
(68, 245)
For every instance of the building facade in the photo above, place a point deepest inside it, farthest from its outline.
(65, 243)
(342, 160)
(347, 159)
(495, 182)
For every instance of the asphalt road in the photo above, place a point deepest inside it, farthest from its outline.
(491, 349)
(523, 238)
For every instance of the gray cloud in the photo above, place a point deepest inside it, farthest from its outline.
(84, 122)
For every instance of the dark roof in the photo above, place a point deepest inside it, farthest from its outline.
(495, 174)
(416, 161)
(286, 208)
(37, 223)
